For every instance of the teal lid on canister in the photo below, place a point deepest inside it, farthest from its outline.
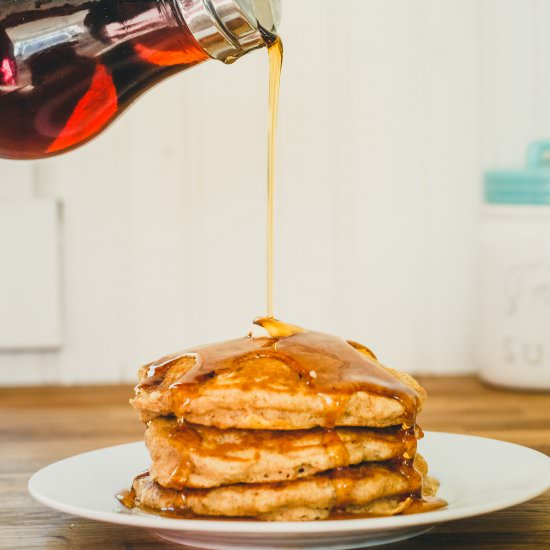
(530, 186)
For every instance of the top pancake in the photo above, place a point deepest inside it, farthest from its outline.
(292, 380)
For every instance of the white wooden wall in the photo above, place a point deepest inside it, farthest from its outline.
(390, 111)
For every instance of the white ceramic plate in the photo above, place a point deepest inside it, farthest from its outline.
(477, 476)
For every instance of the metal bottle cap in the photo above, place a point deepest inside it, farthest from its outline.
(227, 29)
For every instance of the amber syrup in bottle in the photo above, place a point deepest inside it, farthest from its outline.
(69, 67)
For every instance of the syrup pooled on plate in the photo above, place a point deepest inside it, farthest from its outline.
(127, 497)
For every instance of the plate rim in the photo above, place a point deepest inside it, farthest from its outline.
(211, 526)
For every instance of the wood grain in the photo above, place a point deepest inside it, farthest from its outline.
(42, 425)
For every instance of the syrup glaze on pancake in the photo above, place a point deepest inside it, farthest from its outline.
(333, 493)
(331, 367)
(193, 456)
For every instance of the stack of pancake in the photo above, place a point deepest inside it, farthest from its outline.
(295, 425)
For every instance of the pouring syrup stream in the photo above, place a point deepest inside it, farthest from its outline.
(275, 54)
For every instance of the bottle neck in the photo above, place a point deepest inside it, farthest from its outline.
(228, 29)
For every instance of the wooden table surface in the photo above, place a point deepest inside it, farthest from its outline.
(42, 425)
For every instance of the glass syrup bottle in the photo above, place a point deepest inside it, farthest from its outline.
(68, 68)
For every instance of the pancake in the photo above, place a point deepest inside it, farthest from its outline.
(292, 380)
(240, 400)
(194, 456)
(295, 425)
(383, 488)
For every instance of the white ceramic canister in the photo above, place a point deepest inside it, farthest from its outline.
(514, 329)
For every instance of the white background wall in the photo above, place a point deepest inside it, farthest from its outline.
(390, 111)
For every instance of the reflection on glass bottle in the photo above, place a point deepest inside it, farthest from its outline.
(7, 60)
